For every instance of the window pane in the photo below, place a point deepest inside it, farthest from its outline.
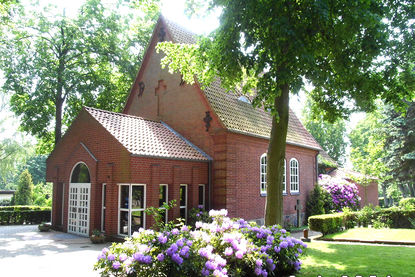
(80, 174)
(163, 213)
(162, 195)
(124, 223)
(137, 197)
(137, 221)
(201, 195)
(183, 213)
(182, 195)
(124, 197)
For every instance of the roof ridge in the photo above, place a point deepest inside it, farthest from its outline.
(176, 24)
(121, 114)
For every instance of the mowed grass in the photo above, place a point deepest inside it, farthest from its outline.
(376, 234)
(334, 259)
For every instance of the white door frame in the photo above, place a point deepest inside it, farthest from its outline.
(78, 206)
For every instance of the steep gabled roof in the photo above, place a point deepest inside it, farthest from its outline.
(143, 137)
(238, 116)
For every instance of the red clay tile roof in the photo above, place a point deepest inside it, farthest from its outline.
(239, 116)
(143, 137)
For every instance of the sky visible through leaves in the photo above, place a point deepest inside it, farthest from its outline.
(173, 10)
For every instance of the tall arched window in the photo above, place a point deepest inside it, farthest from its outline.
(80, 174)
(284, 178)
(294, 176)
(263, 173)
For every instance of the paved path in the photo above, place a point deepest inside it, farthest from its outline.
(26, 252)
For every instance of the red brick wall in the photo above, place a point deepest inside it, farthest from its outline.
(114, 166)
(182, 107)
(243, 176)
(371, 192)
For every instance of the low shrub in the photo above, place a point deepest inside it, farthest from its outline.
(407, 203)
(318, 202)
(24, 215)
(225, 247)
(326, 224)
(395, 217)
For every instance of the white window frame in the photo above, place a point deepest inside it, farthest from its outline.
(263, 174)
(185, 198)
(284, 178)
(294, 176)
(166, 218)
(129, 210)
(204, 195)
(103, 206)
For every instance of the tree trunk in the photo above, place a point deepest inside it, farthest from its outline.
(275, 160)
(411, 189)
(58, 119)
(385, 197)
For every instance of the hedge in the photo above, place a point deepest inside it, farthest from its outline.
(326, 223)
(391, 217)
(24, 215)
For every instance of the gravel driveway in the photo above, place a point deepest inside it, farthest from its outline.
(26, 252)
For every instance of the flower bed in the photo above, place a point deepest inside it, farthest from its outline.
(225, 247)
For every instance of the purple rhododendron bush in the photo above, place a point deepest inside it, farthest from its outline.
(225, 247)
(343, 193)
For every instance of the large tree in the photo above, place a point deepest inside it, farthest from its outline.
(399, 148)
(24, 192)
(344, 48)
(331, 136)
(367, 153)
(53, 64)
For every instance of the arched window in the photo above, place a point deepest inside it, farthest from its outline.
(80, 174)
(284, 178)
(294, 176)
(263, 173)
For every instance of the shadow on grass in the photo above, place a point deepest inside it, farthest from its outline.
(331, 259)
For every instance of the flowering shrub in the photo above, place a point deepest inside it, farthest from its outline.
(343, 193)
(199, 214)
(225, 247)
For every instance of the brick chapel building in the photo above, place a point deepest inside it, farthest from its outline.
(172, 141)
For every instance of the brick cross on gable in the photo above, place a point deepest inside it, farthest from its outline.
(159, 89)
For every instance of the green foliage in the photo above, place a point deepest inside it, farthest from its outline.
(24, 215)
(400, 148)
(331, 136)
(407, 203)
(199, 214)
(24, 192)
(53, 65)
(42, 194)
(319, 202)
(158, 215)
(346, 50)
(326, 224)
(367, 151)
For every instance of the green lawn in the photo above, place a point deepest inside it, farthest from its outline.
(376, 234)
(331, 259)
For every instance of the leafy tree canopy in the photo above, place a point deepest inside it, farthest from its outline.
(331, 136)
(353, 52)
(53, 65)
(399, 148)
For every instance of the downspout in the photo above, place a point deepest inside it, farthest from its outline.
(317, 167)
(210, 184)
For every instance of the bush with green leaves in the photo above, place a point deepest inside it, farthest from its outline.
(319, 202)
(327, 223)
(407, 203)
(24, 192)
(224, 247)
(24, 215)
